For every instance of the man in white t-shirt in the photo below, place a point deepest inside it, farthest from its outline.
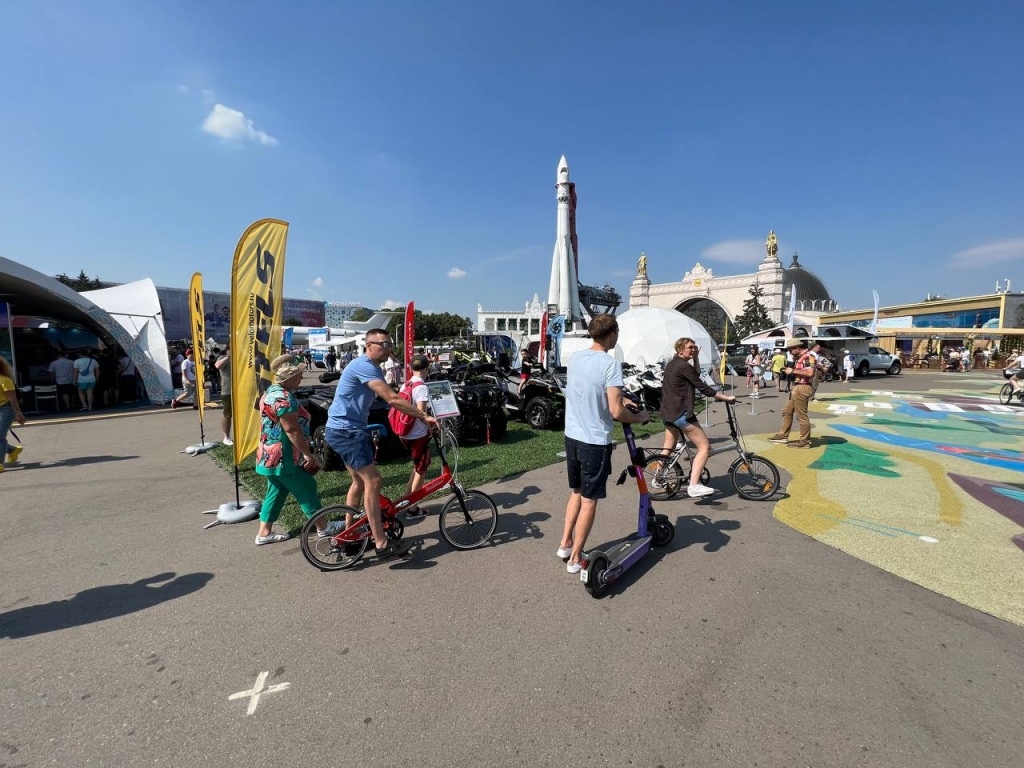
(188, 379)
(593, 401)
(62, 373)
(418, 440)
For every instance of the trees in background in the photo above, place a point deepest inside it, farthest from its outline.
(755, 315)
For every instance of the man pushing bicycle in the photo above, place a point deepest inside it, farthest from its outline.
(361, 381)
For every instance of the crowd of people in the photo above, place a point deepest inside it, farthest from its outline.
(90, 379)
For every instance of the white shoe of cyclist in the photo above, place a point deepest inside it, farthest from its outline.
(698, 491)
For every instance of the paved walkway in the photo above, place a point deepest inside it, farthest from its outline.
(131, 636)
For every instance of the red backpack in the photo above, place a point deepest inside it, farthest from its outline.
(402, 423)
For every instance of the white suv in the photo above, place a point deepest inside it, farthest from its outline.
(876, 359)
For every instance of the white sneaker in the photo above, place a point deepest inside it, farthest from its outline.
(564, 552)
(573, 567)
(698, 490)
(227, 441)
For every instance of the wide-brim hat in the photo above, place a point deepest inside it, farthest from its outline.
(795, 343)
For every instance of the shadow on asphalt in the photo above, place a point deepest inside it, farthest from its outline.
(99, 604)
(690, 530)
(73, 462)
(513, 525)
(701, 529)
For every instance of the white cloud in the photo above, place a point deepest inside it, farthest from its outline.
(317, 282)
(455, 273)
(232, 125)
(392, 304)
(1003, 250)
(735, 252)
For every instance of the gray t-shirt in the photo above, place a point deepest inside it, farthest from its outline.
(225, 374)
(587, 415)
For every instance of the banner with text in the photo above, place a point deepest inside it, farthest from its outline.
(198, 323)
(257, 280)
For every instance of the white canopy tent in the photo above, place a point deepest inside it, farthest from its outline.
(136, 308)
(649, 334)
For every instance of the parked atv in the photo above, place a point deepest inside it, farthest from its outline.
(539, 401)
(481, 403)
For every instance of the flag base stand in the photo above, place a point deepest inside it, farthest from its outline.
(230, 512)
(198, 448)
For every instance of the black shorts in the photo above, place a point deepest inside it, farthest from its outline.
(588, 467)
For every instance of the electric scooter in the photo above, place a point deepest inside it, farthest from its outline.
(602, 567)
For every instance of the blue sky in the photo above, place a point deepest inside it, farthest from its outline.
(413, 146)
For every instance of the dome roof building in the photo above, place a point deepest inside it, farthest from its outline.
(811, 293)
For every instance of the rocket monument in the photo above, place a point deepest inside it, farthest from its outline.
(564, 288)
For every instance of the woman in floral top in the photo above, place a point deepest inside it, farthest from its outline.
(284, 455)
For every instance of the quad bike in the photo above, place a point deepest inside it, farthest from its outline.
(539, 401)
(481, 402)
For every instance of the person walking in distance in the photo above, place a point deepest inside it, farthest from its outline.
(757, 363)
(681, 382)
(778, 363)
(803, 371)
(593, 401)
(188, 378)
(361, 381)
(87, 371)
(10, 412)
(62, 373)
(223, 366)
(847, 366)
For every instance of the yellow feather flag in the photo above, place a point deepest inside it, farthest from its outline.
(257, 283)
(725, 351)
(198, 322)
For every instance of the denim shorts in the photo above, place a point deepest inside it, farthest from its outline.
(686, 420)
(588, 467)
(353, 445)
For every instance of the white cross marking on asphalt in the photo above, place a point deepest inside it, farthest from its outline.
(258, 690)
(879, 405)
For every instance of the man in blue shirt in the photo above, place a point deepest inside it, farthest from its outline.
(593, 399)
(360, 382)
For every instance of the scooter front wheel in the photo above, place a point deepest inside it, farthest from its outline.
(663, 531)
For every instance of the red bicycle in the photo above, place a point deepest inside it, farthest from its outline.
(467, 520)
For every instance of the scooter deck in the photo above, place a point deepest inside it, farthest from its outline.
(622, 555)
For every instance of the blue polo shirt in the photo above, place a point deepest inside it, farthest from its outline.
(353, 398)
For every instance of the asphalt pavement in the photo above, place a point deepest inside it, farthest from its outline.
(131, 636)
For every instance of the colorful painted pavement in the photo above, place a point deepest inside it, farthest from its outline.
(926, 485)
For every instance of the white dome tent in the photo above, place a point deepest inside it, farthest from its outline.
(649, 334)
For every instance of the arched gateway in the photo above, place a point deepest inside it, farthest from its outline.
(702, 295)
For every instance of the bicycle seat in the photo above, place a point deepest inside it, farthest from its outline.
(377, 430)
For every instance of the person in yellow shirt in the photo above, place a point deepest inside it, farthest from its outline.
(10, 412)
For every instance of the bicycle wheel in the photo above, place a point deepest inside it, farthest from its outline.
(469, 521)
(328, 553)
(663, 479)
(754, 477)
(1006, 393)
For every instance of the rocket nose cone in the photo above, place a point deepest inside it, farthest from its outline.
(563, 167)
